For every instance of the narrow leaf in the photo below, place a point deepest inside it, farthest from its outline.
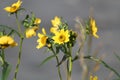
(47, 59)
(63, 59)
(7, 72)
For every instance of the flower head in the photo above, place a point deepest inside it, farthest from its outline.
(93, 77)
(6, 41)
(14, 7)
(31, 32)
(42, 39)
(94, 27)
(56, 21)
(61, 36)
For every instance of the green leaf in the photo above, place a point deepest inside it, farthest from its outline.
(5, 72)
(63, 59)
(47, 59)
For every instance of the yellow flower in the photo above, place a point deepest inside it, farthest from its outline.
(37, 21)
(14, 7)
(31, 32)
(94, 28)
(61, 36)
(42, 39)
(6, 41)
(93, 77)
(56, 21)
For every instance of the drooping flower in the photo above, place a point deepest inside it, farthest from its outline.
(94, 27)
(56, 21)
(31, 32)
(42, 39)
(61, 36)
(6, 41)
(93, 77)
(14, 7)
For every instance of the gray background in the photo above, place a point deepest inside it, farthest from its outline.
(107, 15)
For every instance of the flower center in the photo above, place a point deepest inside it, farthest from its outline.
(14, 7)
(61, 38)
(43, 40)
(4, 46)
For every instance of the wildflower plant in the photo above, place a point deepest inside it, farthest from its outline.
(61, 39)
(30, 24)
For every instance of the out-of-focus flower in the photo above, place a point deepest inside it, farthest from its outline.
(31, 32)
(14, 7)
(61, 36)
(94, 27)
(56, 21)
(93, 77)
(6, 41)
(42, 39)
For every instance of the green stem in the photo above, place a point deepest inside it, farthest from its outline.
(19, 59)
(5, 66)
(20, 48)
(59, 73)
(69, 65)
(4, 26)
(17, 21)
(100, 61)
(104, 63)
(69, 68)
(3, 58)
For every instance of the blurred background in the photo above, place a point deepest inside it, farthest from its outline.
(107, 15)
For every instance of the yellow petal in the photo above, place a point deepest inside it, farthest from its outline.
(40, 35)
(43, 31)
(56, 21)
(8, 9)
(14, 7)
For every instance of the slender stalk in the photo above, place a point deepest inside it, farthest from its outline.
(17, 21)
(59, 73)
(19, 59)
(69, 65)
(69, 68)
(20, 48)
(4, 26)
(104, 63)
(100, 61)
(5, 66)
